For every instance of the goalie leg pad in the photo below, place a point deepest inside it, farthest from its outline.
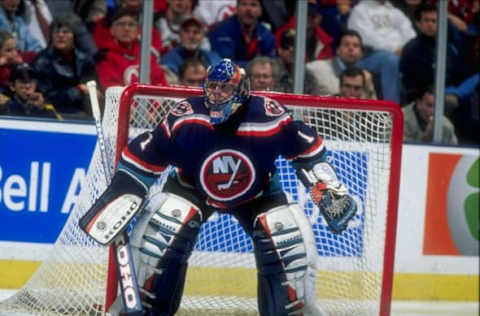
(286, 257)
(162, 241)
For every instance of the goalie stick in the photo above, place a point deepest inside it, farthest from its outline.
(122, 252)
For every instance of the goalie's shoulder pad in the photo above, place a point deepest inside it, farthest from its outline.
(111, 213)
(186, 111)
(181, 108)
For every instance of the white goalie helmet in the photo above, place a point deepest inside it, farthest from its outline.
(226, 89)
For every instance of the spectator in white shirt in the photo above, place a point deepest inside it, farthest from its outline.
(381, 25)
(384, 30)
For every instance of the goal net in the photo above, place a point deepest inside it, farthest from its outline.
(355, 274)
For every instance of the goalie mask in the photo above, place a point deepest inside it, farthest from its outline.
(226, 89)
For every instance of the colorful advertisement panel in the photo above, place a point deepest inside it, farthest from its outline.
(452, 205)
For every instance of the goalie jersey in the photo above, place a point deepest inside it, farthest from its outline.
(230, 163)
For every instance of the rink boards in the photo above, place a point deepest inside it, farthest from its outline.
(60, 153)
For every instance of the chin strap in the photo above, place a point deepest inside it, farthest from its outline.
(224, 111)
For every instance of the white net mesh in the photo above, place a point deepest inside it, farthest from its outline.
(222, 278)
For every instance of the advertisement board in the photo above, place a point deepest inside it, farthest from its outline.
(452, 206)
(42, 166)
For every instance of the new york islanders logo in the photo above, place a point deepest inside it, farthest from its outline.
(226, 175)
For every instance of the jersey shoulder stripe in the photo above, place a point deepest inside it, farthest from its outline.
(265, 129)
(265, 117)
(192, 119)
(133, 160)
(311, 151)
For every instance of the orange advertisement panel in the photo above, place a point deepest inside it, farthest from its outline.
(451, 215)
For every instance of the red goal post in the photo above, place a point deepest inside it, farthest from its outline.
(355, 272)
(132, 92)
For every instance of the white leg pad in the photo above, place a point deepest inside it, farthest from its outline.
(291, 218)
(311, 307)
(168, 211)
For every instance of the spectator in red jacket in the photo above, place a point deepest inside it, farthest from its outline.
(319, 44)
(9, 57)
(101, 29)
(119, 64)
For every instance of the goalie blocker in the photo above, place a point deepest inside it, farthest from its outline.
(112, 212)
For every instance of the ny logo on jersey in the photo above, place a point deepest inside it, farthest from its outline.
(226, 175)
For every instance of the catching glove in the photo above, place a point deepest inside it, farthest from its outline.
(330, 195)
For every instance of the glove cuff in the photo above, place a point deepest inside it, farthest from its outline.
(317, 192)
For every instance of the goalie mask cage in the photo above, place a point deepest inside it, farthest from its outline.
(355, 273)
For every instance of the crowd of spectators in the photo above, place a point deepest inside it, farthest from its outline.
(369, 49)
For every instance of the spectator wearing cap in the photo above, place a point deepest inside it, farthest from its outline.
(26, 100)
(192, 33)
(243, 36)
(101, 28)
(119, 64)
(15, 24)
(170, 23)
(64, 70)
(286, 55)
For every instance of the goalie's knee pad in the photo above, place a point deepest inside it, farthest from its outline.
(286, 257)
(162, 241)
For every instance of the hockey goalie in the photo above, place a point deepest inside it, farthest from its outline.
(222, 146)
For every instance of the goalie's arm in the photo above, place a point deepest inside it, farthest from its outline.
(326, 191)
(125, 195)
